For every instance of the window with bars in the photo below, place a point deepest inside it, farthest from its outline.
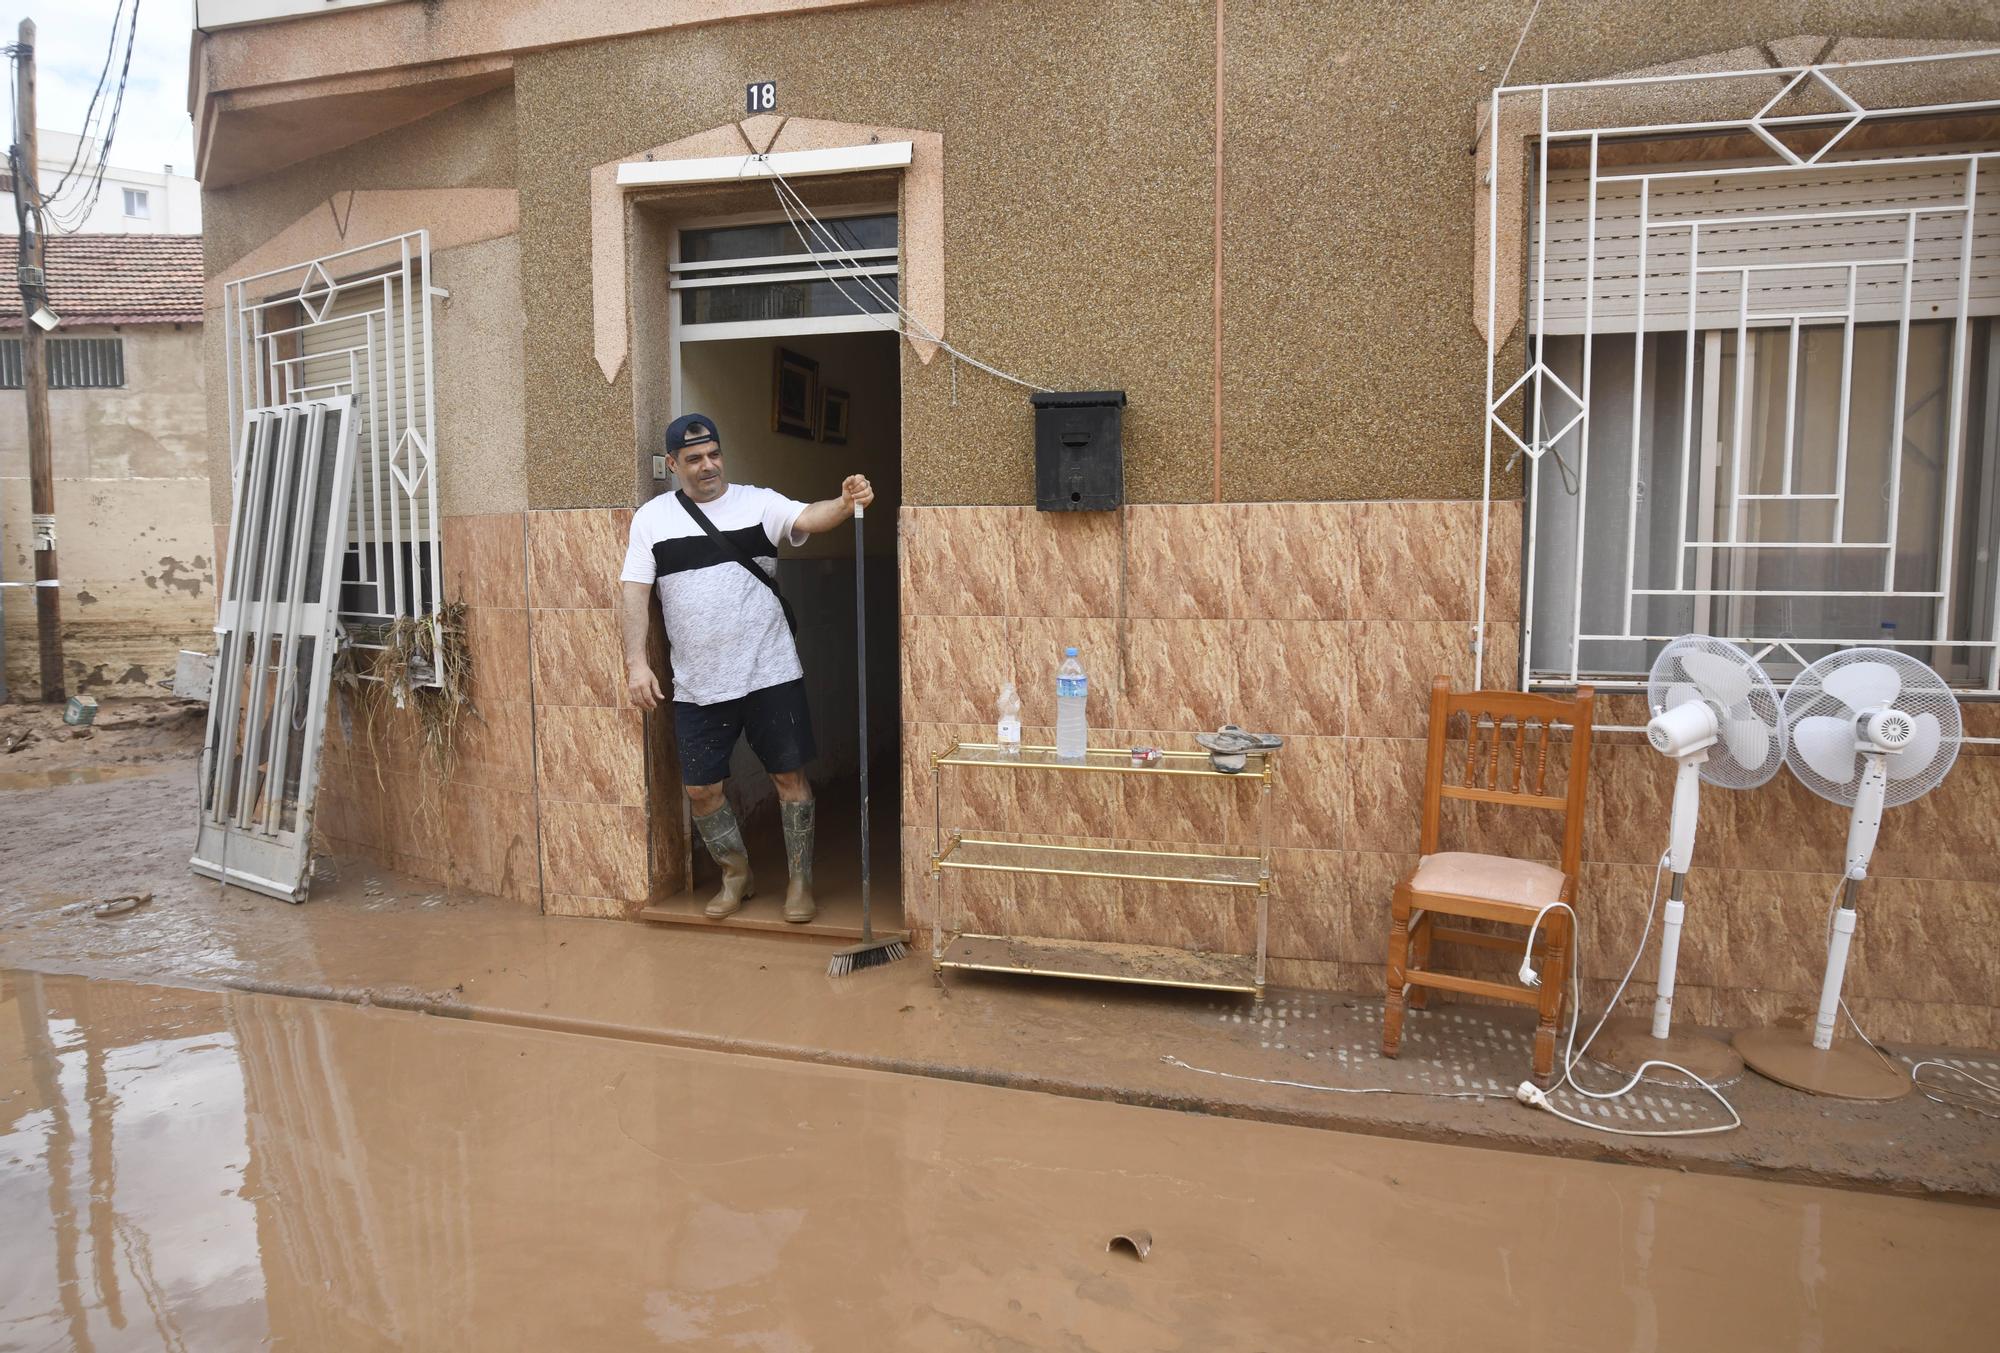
(74, 363)
(358, 324)
(1762, 386)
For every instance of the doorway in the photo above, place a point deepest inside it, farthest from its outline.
(853, 395)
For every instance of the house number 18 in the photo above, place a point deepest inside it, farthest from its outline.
(761, 97)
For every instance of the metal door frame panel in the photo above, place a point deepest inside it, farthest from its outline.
(242, 836)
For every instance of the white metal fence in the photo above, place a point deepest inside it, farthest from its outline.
(356, 323)
(1761, 394)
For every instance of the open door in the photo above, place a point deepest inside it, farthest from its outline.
(274, 660)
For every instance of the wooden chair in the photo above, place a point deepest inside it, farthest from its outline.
(1504, 770)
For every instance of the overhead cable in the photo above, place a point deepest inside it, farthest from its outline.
(811, 229)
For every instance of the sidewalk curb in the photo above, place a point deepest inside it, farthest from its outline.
(1476, 1135)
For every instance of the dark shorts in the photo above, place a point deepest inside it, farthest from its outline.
(775, 719)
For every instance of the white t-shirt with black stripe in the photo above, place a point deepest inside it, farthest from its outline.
(727, 630)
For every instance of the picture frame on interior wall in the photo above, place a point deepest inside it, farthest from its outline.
(794, 395)
(833, 416)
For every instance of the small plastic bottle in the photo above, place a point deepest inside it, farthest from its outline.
(1072, 699)
(1009, 735)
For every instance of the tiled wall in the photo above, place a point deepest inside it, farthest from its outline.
(1326, 622)
(590, 763)
(551, 801)
(477, 831)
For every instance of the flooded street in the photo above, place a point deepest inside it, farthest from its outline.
(187, 1170)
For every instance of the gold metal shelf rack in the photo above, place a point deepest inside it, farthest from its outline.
(1241, 877)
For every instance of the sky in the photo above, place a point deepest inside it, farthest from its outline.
(71, 38)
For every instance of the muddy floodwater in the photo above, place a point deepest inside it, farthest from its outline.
(188, 1170)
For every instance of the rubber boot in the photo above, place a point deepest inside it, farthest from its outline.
(799, 906)
(725, 843)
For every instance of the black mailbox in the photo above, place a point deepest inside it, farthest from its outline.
(1079, 450)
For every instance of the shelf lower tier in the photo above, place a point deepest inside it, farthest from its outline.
(1147, 866)
(1141, 964)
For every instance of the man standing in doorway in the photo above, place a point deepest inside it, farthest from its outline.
(711, 550)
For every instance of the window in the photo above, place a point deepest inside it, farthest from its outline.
(138, 203)
(766, 271)
(1759, 393)
(74, 363)
(1769, 517)
(356, 323)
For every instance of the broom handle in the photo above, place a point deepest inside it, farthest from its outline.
(861, 666)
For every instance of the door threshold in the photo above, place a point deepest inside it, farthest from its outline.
(839, 917)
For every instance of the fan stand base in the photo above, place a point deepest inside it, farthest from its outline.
(1848, 1070)
(1626, 1043)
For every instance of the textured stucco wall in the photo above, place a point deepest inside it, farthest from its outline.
(467, 146)
(1352, 368)
(132, 516)
(476, 372)
(470, 145)
(1076, 216)
(1078, 196)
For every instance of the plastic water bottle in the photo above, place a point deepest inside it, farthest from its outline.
(1072, 695)
(1008, 735)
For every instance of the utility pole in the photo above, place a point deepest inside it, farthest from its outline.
(35, 372)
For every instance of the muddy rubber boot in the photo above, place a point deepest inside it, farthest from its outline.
(799, 906)
(725, 843)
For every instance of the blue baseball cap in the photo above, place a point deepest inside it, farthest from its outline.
(690, 429)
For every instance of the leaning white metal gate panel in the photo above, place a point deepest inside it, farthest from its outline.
(357, 323)
(275, 628)
(1762, 384)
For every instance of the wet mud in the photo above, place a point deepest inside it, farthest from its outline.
(128, 734)
(198, 1170)
(372, 936)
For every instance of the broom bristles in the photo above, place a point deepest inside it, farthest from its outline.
(866, 956)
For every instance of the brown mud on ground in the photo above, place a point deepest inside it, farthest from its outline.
(192, 1170)
(127, 731)
(369, 936)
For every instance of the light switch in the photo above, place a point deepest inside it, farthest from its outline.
(659, 467)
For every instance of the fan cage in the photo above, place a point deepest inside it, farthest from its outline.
(1760, 704)
(1922, 691)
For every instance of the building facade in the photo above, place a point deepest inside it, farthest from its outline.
(1304, 240)
(125, 202)
(128, 432)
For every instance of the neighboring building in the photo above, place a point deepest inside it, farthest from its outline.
(127, 431)
(127, 201)
(498, 213)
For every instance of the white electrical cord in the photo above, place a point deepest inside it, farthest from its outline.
(1531, 1094)
(1337, 1089)
(1962, 1100)
(1528, 1092)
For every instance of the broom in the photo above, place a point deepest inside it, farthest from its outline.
(871, 952)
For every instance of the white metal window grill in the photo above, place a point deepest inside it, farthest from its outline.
(74, 363)
(356, 323)
(1762, 385)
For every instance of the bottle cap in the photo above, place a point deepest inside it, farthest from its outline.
(1069, 652)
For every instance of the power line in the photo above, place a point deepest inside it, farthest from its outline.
(66, 216)
(90, 109)
(808, 227)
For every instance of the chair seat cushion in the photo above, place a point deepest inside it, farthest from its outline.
(1492, 878)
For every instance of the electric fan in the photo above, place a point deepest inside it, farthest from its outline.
(1871, 728)
(1718, 716)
